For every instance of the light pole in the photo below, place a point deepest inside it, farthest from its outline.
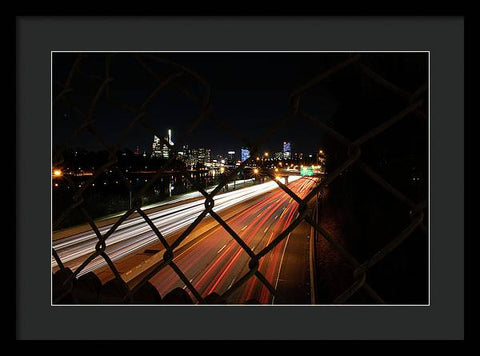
(222, 170)
(255, 171)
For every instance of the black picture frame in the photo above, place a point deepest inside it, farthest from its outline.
(38, 36)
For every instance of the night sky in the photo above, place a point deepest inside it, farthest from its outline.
(249, 92)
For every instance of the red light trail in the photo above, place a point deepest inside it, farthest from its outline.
(216, 261)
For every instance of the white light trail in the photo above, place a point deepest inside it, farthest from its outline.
(135, 233)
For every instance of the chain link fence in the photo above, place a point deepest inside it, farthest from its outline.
(69, 287)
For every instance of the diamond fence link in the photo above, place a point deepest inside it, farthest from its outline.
(417, 214)
(66, 93)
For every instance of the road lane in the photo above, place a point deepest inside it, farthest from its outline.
(215, 262)
(135, 234)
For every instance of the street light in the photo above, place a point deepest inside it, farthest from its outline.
(222, 170)
(255, 171)
(57, 173)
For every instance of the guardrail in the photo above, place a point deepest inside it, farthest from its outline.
(313, 256)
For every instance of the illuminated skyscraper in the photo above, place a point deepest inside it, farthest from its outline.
(156, 147)
(199, 156)
(159, 149)
(245, 154)
(165, 150)
(184, 154)
(287, 150)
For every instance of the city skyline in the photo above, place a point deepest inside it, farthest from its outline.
(158, 149)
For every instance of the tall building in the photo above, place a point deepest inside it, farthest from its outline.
(287, 150)
(245, 154)
(165, 149)
(159, 149)
(184, 154)
(220, 159)
(231, 157)
(298, 155)
(199, 156)
(156, 147)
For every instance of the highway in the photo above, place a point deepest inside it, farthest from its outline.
(215, 260)
(134, 234)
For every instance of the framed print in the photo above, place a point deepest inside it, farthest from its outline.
(240, 178)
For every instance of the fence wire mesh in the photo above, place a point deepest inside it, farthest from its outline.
(71, 286)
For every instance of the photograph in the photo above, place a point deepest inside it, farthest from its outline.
(259, 178)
